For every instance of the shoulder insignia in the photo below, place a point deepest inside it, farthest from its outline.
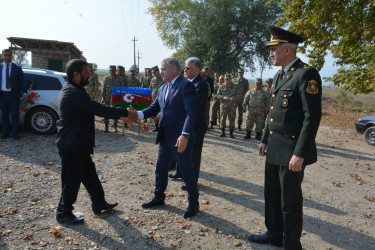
(292, 69)
(312, 87)
(306, 66)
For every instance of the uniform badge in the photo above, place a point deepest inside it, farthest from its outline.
(292, 69)
(306, 66)
(312, 87)
(285, 102)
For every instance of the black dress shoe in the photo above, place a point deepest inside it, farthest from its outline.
(3, 136)
(175, 176)
(152, 203)
(69, 218)
(264, 239)
(97, 210)
(184, 187)
(190, 212)
(16, 137)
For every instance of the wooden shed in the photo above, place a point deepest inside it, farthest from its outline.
(47, 54)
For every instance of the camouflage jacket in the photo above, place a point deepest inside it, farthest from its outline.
(123, 80)
(155, 84)
(227, 91)
(242, 88)
(92, 87)
(134, 83)
(256, 100)
(108, 83)
(145, 82)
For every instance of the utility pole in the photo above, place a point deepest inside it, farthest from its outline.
(135, 65)
(138, 61)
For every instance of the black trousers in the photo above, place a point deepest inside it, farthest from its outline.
(77, 168)
(10, 105)
(283, 204)
(197, 154)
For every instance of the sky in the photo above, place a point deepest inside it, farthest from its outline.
(103, 30)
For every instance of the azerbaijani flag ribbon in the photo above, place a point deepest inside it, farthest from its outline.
(139, 98)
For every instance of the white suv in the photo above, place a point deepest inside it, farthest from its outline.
(41, 117)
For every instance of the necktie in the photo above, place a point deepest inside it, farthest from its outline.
(279, 78)
(7, 83)
(168, 89)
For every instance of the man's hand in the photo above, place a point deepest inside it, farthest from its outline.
(295, 164)
(181, 143)
(262, 149)
(132, 114)
(158, 116)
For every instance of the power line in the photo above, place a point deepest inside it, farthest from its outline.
(123, 17)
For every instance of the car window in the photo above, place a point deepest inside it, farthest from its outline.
(45, 83)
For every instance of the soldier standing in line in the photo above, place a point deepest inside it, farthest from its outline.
(156, 83)
(133, 82)
(227, 94)
(210, 81)
(121, 76)
(242, 88)
(215, 110)
(110, 81)
(256, 101)
(269, 84)
(92, 87)
(146, 79)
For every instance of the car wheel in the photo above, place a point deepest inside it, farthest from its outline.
(41, 121)
(370, 136)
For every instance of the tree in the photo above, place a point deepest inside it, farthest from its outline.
(345, 28)
(224, 34)
(19, 56)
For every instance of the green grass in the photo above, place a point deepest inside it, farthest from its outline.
(349, 101)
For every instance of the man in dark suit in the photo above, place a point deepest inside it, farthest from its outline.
(192, 70)
(12, 88)
(76, 141)
(289, 137)
(177, 104)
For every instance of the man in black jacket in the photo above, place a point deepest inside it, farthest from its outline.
(76, 140)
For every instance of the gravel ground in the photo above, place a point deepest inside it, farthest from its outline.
(339, 191)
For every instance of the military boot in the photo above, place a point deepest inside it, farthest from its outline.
(106, 128)
(156, 128)
(223, 133)
(114, 127)
(231, 133)
(258, 136)
(239, 127)
(212, 125)
(248, 134)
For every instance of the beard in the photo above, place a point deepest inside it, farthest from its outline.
(83, 82)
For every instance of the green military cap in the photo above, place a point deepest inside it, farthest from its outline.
(269, 80)
(120, 67)
(112, 67)
(228, 76)
(89, 65)
(279, 35)
(148, 70)
(240, 70)
(155, 68)
(132, 71)
(258, 80)
(205, 68)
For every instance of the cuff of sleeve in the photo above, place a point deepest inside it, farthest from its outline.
(184, 133)
(140, 115)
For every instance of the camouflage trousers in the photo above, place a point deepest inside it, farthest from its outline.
(215, 111)
(240, 112)
(230, 112)
(255, 117)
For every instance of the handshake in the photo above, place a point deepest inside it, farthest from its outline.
(132, 115)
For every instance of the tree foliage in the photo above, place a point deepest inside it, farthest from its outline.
(19, 57)
(346, 28)
(224, 34)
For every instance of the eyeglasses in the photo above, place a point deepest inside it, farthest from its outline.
(188, 68)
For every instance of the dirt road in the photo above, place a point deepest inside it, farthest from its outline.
(338, 189)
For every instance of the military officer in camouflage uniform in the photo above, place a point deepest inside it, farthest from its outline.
(269, 84)
(109, 81)
(92, 87)
(215, 110)
(146, 79)
(156, 83)
(227, 94)
(289, 138)
(257, 102)
(123, 80)
(133, 82)
(242, 85)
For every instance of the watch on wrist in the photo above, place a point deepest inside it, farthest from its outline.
(186, 136)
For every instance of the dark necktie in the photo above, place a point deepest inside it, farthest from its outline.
(279, 78)
(7, 82)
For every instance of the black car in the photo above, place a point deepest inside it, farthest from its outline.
(366, 125)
